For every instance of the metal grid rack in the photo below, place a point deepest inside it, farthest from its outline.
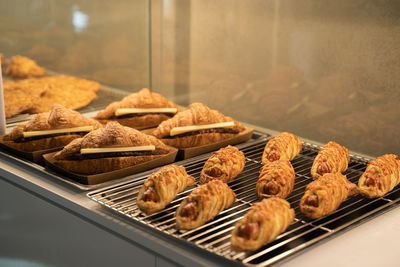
(214, 236)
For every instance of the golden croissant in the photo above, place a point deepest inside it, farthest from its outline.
(161, 187)
(262, 224)
(225, 165)
(284, 146)
(196, 114)
(203, 204)
(276, 179)
(380, 177)
(324, 195)
(331, 158)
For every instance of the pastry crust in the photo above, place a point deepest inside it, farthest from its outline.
(380, 177)
(112, 135)
(142, 99)
(262, 224)
(276, 179)
(284, 146)
(161, 187)
(331, 158)
(23, 67)
(225, 164)
(324, 196)
(58, 118)
(195, 114)
(203, 204)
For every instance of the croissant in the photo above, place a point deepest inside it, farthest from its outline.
(330, 159)
(142, 99)
(196, 114)
(58, 118)
(324, 195)
(111, 136)
(161, 187)
(276, 179)
(203, 204)
(284, 146)
(380, 177)
(225, 165)
(262, 224)
(23, 67)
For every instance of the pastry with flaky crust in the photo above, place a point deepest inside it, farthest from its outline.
(284, 146)
(144, 99)
(262, 224)
(331, 158)
(380, 177)
(276, 179)
(203, 204)
(225, 165)
(112, 135)
(197, 114)
(58, 118)
(161, 187)
(324, 195)
(23, 67)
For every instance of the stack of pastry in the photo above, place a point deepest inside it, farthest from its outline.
(197, 125)
(143, 109)
(50, 130)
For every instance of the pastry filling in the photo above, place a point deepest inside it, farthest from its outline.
(323, 168)
(214, 130)
(133, 115)
(150, 195)
(312, 200)
(36, 135)
(249, 230)
(189, 210)
(79, 156)
(271, 188)
(33, 138)
(273, 155)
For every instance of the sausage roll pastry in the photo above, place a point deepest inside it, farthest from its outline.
(197, 125)
(142, 109)
(50, 130)
(161, 187)
(262, 224)
(324, 195)
(203, 204)
(331, 158)
(276, 179)
(380, 177)
(284, 146)
(224, 165)
(110, 148)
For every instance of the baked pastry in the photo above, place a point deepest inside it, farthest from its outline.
(23, 67)
(276, 179)
(225, 164)
(380, 177)
(110, 148)
(2, 60)
(143, 109)
(331, 158)
(206, 126)
(284, 146)
(161, 187)
(262, 224)
(324, 195)
(203, 204)
(37, 95)
(50, 130)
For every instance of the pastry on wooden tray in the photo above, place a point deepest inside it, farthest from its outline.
(225, 164)
(284, 146)
(203, 204)
(324, 195)
(331, 158)
(23, 67)
(161, 187)
(37, 95)
(197, 125)
(143, 109)
(110, 148)
(262, 224)
(276, 179)
(50, 130)
(380, 177)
